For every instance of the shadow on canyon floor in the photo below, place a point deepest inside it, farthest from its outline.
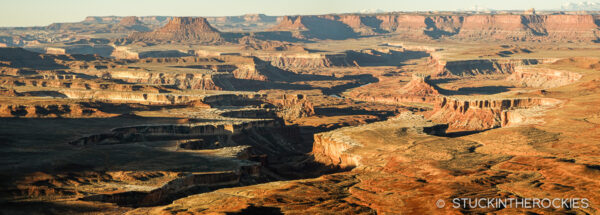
(48, 152)
(261, 210)
(486, 90)
(44, 207)
(463, 133)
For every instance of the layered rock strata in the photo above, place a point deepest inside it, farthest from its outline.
(191, 29)
(486, 27)
(543, 77)
(485, 113)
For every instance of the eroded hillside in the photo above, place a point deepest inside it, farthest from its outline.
(350, 113)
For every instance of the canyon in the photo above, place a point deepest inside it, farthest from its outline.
(382, 113)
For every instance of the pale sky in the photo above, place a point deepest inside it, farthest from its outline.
(44, 12)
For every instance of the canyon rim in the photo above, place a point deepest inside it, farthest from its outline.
(337, 113)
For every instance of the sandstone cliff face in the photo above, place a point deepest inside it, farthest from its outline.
(342, 147)
(250, 43)
(420, 85)
(542, 77)
(66, 82)
(55, 51)
(130, 21)
(182, 29)
(571, 27)
(504, 27)
(330, 151)
(482, 114)
(182, 81)
(402, 23)
(482, 67)
(419, 89)
(362, 25)
(319, 27)
(443, 26)
(293, 23)
(306, 60)
(170, 189)
(509, 27)
(122, 52)
(346, 59)
(131, 97)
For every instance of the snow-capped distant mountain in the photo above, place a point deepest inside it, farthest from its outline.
(372, 11)
(585, 5)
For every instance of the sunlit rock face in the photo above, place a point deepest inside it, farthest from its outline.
(382, 113)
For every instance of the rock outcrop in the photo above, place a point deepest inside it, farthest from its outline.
(419, 89)
(339, 147)
(480, 27)
(250, 43)
(482, 114)
(182, 81)
(420, 85)
(290, 107)
(542, 77)
(482, 67)
(319, 27)
(306, 60)
(179, 29)
(130, 23)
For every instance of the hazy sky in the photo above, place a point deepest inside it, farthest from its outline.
(44, 12)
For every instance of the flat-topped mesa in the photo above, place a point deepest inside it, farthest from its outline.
(257, 17)
(345, 147)
(409, 26)
(250, 43)
(188, 80)
(318, 27)
(482, 114)
(483, 66)
(101, 19)
(345, 25)
(189, 29)
(572, 27)
(542, 77)
(304, 60)
(530, 27)
(495, 27)
(175, 132)
(130, 21)
(483, 27)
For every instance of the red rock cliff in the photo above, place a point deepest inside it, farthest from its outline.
(182, 29)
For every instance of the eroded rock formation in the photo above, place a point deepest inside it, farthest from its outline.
(501, 27)
(482, 114)
(483, 67)
(339, 147)
(191, 29)
(541, 77)
(292, 107)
